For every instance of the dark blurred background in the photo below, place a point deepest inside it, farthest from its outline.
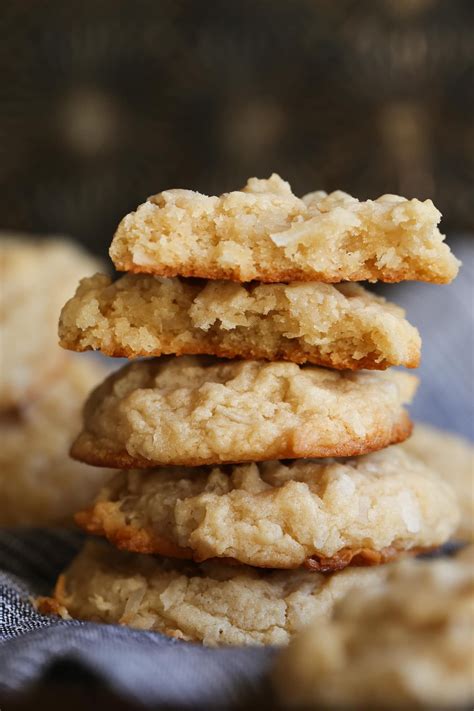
(105, 102)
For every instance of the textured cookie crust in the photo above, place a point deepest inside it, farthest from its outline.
(36, 278)
(212, 603)
(265, 232)
(343, 326)
(39, 483)
(323, 514)
(453, 458)
(195, 410)
(404, 643)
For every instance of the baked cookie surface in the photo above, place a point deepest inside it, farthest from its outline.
(39, 483)
(403, 643)
(453, 458)
(195, 410)
(322, 514)
(37, 276)
(342, 326)
(265, 232)
(211, 603)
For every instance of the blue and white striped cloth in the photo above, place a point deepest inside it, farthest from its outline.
(151, 669)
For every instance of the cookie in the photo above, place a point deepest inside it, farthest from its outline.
(265, 232)
(195, 410)
(453, 458)
(342, 326)
(40, 485)
(322, 514)
(212, 603)
(403, 643)
(37, 276)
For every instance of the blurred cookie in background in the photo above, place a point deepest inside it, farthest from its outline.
(42, 388)
(37, 276)
(453, 458)
(40, 483)
(403, 643)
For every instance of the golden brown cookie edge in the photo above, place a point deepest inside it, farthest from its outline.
(106, 520)
(292, 354)
(297, 447)
(124, 264)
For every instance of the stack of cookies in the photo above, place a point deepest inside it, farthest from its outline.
(260, 459)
